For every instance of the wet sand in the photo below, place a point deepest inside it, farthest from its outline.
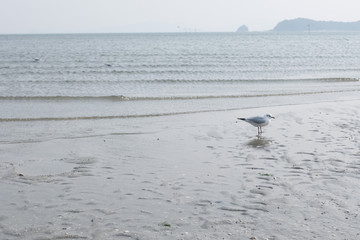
(194, 176)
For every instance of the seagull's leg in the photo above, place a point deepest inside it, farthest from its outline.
(260, 129)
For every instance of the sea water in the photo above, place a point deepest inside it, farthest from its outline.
(95, 76)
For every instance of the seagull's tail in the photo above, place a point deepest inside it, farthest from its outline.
(242, 119)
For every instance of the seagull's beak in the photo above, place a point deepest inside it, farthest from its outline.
(272, 117)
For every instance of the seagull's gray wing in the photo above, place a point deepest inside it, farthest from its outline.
(257, 120)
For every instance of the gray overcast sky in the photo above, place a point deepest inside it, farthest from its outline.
(84, 16)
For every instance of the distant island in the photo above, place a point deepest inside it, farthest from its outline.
(243, 28)
(304, 24)
(307, 25)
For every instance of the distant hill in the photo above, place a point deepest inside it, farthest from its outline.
(303, 24)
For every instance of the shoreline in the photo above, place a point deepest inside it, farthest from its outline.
(51, 111)
(191, 176)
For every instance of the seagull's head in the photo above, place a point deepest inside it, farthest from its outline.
(269, 116)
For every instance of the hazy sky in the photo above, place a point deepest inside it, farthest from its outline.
(84, 16)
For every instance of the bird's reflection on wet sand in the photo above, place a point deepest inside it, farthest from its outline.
(259, 142)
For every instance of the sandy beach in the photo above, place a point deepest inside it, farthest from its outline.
(191, 176)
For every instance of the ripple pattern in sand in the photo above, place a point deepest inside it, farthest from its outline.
(195, 180)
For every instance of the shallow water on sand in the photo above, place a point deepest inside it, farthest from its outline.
(192, 176)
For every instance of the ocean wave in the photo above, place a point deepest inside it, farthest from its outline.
(164, 98)
(25, 119)
(190, 81)
(236, 80)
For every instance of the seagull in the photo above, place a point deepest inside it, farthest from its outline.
(258, 121)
